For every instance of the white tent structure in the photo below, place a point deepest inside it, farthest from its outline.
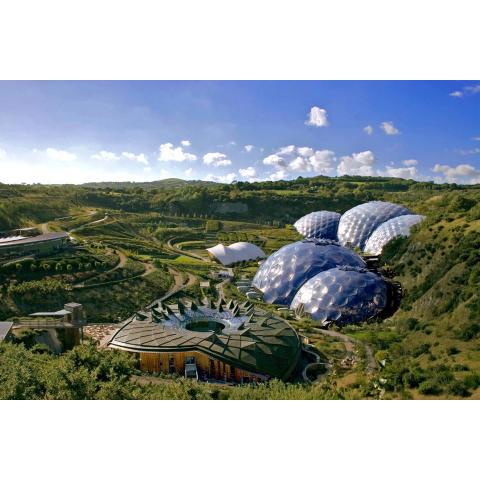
(237, 252)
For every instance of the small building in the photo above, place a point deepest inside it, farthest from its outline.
(44, 244)
(72, 313)
(222, 341)
(5, 331)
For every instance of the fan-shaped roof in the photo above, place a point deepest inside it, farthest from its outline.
(250, 339)
(237, 252)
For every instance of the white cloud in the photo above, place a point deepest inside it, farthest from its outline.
(275, 160)
(216, 159)
(288, 150)
(248, 172)
(476, 139)
(280, 175)
(368, 129)
(186, 143)
(3, 154)
(169, 153)
(410, 163)
(140, 158)
(469, 90)
(389, 128)
(472, 151)
(305, 151)
(402, 172)
(357, 164)
(463, 173)
(456, 93)
(319, 162)
(473, 89)
(228, 178)
(188, 172)
(248, 148)
(56, 155)
(317, 117)
(105, 156)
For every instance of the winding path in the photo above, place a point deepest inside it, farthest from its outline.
(120, 264)
(349, 343)
(175, 249)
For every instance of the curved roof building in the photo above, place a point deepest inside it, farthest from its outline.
(342, 295)
(285, 271)
(237, 252)
(236, 338)
(393, 228)
(358, 223)
(322, 224)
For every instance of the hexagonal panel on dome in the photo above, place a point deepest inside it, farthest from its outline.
(393, 228)
(322, 224)
(358, 223)
(286, 270)
(342, 295)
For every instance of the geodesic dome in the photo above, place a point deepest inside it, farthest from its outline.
(322, 224)
(358, 223)
(285, 271)
(342, 295)
(393, 228)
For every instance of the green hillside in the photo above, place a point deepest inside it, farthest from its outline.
(430, 348)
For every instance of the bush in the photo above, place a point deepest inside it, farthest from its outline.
(429, 387)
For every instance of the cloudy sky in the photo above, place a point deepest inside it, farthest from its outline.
(75, 132)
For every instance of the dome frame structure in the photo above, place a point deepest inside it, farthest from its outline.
(387, 231)
(357, 224)
(320, 224)
(285, 271)
(342, 295)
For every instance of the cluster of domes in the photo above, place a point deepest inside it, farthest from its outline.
(376, 220)
(322, 276)
(285, 271)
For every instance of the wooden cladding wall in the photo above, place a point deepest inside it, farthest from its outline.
(212, 368)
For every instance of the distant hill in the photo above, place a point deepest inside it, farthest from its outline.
(166, 184)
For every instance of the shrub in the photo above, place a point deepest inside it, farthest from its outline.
(429, 387)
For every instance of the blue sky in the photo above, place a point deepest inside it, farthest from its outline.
(74, 132)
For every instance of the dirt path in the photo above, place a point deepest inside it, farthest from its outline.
(120, 264)
(175, 249)
(149, 268)
(349, 343)
(105, 218)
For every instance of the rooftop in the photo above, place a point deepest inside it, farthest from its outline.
(39, 238)
(250, 339)
(5, 328)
